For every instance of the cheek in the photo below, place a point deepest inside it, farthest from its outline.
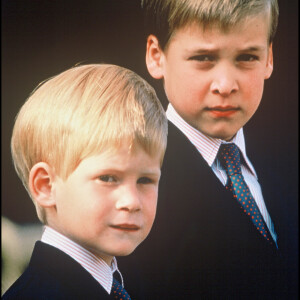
(178, 79)
(89, 202)
(66, 199)
(253, 92)
(186, 96)
(150, 204)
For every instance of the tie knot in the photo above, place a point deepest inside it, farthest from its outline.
(229, 156)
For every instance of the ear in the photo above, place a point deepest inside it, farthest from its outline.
(41, 178)
(154, 57)
(269, 66)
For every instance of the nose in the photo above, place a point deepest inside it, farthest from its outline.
(224, 82)
(129, 199)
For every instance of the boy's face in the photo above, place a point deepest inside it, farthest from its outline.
(214, 79)
(108, 203)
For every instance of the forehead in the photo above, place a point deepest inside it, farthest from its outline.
(254, 29)
(126, 149)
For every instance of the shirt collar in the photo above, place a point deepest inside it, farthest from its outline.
(207, 146)
(96, 266)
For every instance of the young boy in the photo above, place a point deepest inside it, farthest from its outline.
(88, 145)
(212, 242)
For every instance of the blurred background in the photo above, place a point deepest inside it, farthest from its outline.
(43, 38)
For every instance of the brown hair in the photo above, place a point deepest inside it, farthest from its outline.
(163, 17)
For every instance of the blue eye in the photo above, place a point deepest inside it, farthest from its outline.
(107, 178)
(203, 58)
(247, 57)
(144, 180)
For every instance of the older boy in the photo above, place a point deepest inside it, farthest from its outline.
(88, 145)
(212, 242)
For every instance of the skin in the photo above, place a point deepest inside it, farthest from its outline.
(107, 205)
(214, 79)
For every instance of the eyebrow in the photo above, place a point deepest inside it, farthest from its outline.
(152, 172)
(216, 50)
(145, 172)
(253, 49)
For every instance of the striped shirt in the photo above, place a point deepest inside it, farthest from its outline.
(97, 267)
(208, 147)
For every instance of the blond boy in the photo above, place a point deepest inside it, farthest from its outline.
(88, 145)
(215, 235)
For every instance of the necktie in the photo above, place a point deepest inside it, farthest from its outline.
(229, 156)
(119, 292)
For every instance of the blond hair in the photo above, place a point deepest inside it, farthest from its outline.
(81, 112)
(163, 17)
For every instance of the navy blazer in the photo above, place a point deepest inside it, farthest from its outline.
(52, 274)
(202, 246)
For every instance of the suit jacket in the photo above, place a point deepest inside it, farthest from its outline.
(202, 246)
(52, 274)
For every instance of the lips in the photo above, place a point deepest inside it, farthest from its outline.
(126, 227)
(223, 111)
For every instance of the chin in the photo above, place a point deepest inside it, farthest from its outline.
(223, 135)
(125, 250)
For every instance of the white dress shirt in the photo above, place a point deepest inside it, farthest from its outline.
(97, 267)
(208, 147)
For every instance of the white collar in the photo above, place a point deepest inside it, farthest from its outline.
(96, 266)
(207, 146)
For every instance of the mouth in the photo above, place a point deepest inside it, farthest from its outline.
(126, 227)
(223, 111)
